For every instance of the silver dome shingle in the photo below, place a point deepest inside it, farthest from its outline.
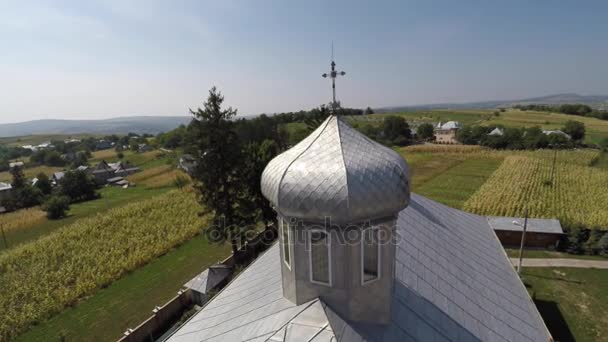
(337, 172)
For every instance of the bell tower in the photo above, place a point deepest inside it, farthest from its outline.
(337, 195)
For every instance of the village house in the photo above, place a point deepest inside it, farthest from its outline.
(104, 171)
(557, 132)
(15, 164)
(187, 163)
(497, 132)
(142, 148)
(5, 190)
(540, 233)
(361, 258)
(56, 177)
(446, 133)
(103, 145)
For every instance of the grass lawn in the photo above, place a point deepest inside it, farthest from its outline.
(572, 301)
(36, 139)
(143, 160)
(450, 178)
(111, 197)
(454, 186)
(105, 315)
(30, 172)
(544, 254)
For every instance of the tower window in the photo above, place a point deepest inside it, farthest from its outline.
(320, 257)
(286, 241)
(370, 255)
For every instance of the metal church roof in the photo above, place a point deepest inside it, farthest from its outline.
(337, 172)
(453, 282)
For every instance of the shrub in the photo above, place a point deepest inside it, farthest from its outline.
(181, 181)
(602, 245)
(56, 207)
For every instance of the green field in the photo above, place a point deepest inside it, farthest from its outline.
(111, 197)
(458, 183)
(572, 301)
(126, 303)
(41, 278)
(30, 172)
(36, 139)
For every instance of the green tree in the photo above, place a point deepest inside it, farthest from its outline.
(315, 117)
(575, 129)
(369, 111)
(53, 158)
(56, 207)
(181, 181)
(396, 130)
(19, 180)
(425, 131)
(602, 245)
(78, 186)
(23, 195)
(604, 144)
(256, 157)
(218, 170)
(44, 184)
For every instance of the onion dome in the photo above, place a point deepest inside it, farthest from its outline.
(337, 172)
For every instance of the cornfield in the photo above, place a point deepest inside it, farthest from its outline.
(436, 148)
(577, 194)
(21, 219)
(157, 177)
(43, 277)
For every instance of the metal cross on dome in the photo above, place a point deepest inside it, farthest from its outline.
(333, 74)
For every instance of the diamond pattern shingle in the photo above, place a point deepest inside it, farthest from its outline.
(337, 172)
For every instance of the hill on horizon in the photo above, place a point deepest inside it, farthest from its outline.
(594, 101)
(121, 125)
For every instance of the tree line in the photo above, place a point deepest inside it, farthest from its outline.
(572, 109)
(75, 186)
(521, 138)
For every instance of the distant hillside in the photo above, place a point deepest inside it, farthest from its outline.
(136, 124)
(595, 101)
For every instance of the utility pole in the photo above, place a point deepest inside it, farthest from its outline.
(333, 74)
(553, 167)
(523, 241)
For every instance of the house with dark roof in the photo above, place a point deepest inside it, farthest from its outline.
(360, 258)
(104, 171)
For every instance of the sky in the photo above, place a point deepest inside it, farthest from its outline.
(107, 58)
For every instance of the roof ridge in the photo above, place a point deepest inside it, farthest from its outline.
(298, 156)
(338, 121)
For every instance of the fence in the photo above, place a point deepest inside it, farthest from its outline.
(166, 316)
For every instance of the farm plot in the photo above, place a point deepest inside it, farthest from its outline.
(576, 195)
(43, 277)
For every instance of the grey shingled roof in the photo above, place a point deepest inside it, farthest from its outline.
(209, 278)
(338, 172)
(515, 224)
(453, 282)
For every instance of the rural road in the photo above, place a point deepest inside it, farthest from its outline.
(579, 263)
